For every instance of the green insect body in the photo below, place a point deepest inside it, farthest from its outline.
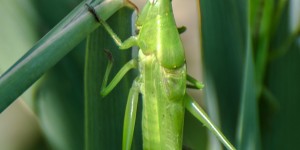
(163, 77)
(162, 81)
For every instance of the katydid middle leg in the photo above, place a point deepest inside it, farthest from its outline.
(105, 89)
(194, 84)
(131, 106)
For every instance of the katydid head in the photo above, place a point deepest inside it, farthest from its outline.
(152, 9)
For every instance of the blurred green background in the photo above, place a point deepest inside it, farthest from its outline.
(256, 109)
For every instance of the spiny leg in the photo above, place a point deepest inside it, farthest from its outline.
(131, 41)
(130, 115)
(194, 84)
(192, 106)
(128, 66)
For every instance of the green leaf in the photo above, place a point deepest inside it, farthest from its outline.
(281, 120)
(248, 134)
(59, 103)
(15, 39)
(51, 48)
(224, 44)
(18, 33)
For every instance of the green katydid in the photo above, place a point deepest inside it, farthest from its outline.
(162, 80)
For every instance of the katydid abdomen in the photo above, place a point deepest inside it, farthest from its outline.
(163, 108)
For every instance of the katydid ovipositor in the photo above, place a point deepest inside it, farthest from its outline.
(162, 80)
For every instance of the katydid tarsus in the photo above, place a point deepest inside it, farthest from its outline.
(162, 80)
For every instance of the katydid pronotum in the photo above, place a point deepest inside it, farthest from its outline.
(162, 80)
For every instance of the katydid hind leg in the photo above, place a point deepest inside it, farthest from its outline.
(105, 89)
(195, 84)
(193, 107)
(130, 116)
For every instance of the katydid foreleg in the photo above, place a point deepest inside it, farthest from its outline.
(132, 41)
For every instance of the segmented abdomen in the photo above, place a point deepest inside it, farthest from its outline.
(163, 109)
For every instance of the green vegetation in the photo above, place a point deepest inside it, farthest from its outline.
(250, 59)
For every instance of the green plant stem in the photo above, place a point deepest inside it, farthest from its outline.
(51, 48)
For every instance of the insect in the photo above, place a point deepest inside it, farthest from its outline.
(162, 80)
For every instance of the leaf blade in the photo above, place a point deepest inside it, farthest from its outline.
(50, 49)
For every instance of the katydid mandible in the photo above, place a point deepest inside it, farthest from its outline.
(162, 80)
